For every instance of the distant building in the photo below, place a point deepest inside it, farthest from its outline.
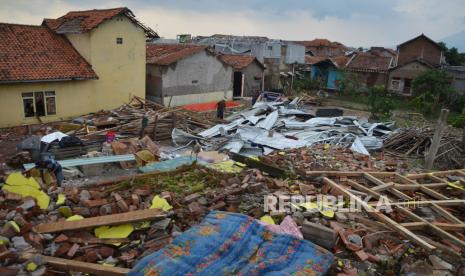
(179, 74)
(323, 48)
(79, 63)
(414, 57)
(371, 69)
(420, 48)
(248, 78)
(401, 77)
(279, 57)
(327, 70)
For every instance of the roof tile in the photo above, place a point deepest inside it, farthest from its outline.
(239, 62)
(34, 53)
(166, 54)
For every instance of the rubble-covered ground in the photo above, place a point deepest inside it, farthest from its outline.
(283, 137)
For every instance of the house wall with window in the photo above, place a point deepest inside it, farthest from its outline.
(401, 77)
(71, 98)
(120, 69)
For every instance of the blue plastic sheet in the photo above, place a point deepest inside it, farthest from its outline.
(168, 165)
(234, 244)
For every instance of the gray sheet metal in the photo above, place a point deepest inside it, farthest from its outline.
(90, 161)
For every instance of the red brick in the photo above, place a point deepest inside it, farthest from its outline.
(72, 251)
(94, 203)
(61, 238)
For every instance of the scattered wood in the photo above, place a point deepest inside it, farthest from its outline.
(115, 219)
(78, 266)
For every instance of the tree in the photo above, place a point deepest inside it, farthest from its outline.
(381, 105)
(453, 57)
(432, 90)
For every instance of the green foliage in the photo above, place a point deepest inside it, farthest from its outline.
(453, 57)
(306, 84)
(432, 91)
(458, 120)
(350, 84)
(380, 104)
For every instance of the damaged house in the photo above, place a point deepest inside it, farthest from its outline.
(179, 74)
(328, 71)
(413, 57)
(79, 63)
(369, 68)
(279, 57)
(248, 75)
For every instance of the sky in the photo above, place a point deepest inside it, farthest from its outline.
(353, 22)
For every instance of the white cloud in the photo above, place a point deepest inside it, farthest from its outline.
(433, 17)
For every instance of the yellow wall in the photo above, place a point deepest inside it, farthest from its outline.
(120, 68)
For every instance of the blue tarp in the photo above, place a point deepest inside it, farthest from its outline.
(168, 165)
(234, 244)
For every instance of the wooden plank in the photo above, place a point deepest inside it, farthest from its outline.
(383, 187)
(114, 219)
(433, 228)
(444, 226)
(433, 149)
(78, 266)
(380, 216)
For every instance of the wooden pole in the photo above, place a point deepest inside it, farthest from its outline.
(433, 150)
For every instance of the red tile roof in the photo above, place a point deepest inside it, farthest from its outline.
(339, 61)
(166, 54)
(368, 62)
(313, 60)
(34, 53)
(324, 47)
(240, 62)
(84, 21)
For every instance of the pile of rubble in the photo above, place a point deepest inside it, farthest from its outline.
(120, 223)
(331, 158)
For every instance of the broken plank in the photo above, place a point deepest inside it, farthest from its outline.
(380, 216)
(252, 163)
(78, 266)
(108, 220)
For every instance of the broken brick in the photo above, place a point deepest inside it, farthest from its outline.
(72, 251)
(94, 203)
(106, 251)
(61, 238)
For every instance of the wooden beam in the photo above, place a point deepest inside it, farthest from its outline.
(115, 219)
(444, 226)
(383, 187)
(433, 228)
(433, 149)
(78, 266)
(380, 216)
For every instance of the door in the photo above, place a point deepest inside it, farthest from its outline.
(237, 84)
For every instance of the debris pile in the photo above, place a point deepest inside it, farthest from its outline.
(120, 223)
(325, 157)
(280, 125)
(415, 142)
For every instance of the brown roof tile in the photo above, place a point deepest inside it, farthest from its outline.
(369, 63)
(239, 62)
(166, 54)
(84, 21)
(34, 53)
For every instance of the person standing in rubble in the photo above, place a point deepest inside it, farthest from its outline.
(53, 167)
(220, 107)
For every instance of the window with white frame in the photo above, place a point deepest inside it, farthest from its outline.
(39, 103)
